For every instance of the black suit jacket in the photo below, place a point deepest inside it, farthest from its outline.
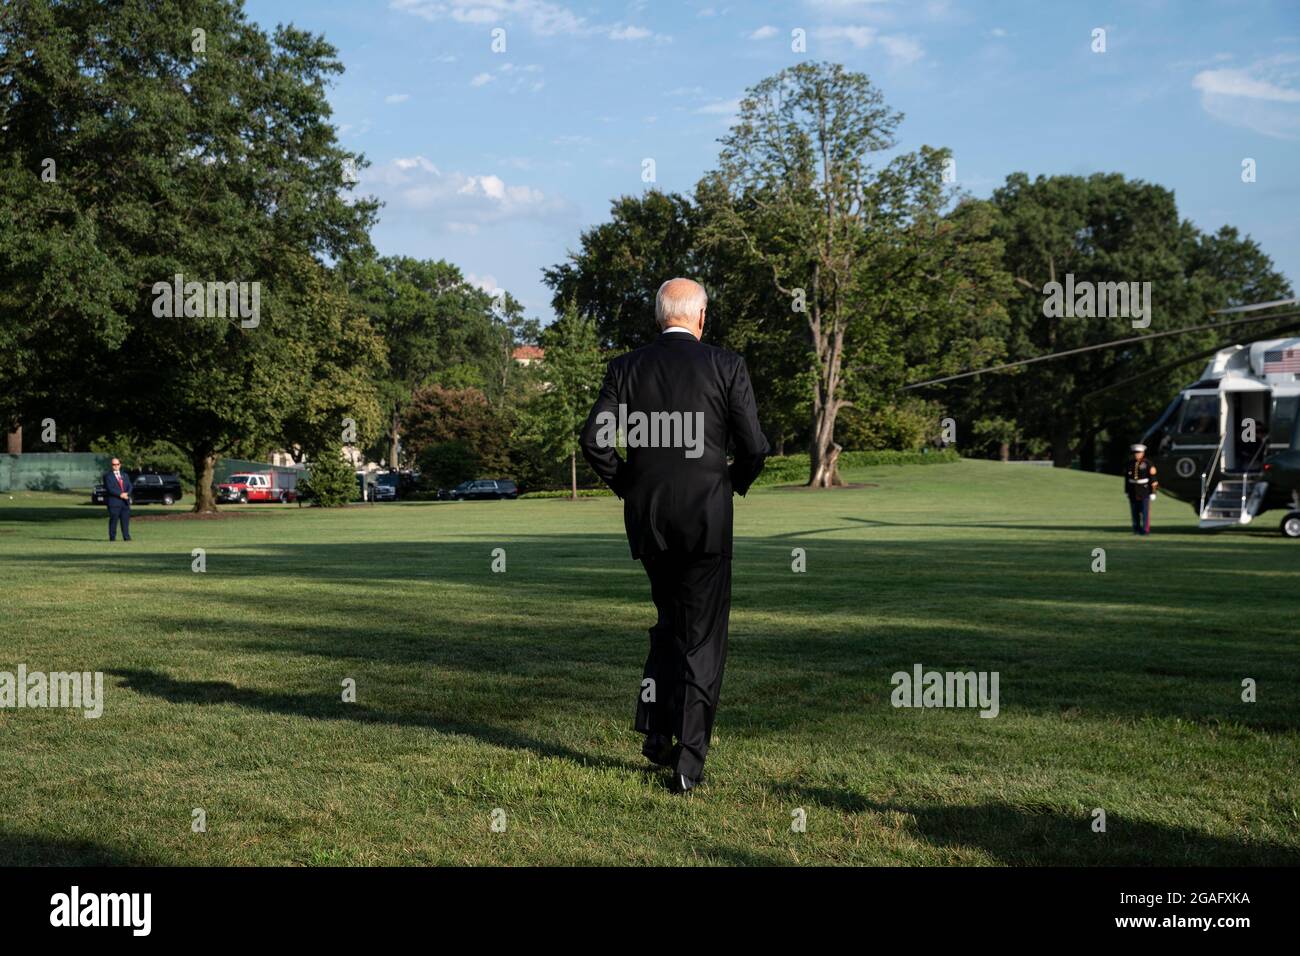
(673, 501)
(112, 491)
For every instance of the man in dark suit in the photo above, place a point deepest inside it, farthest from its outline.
(677, 404)
(117, 495)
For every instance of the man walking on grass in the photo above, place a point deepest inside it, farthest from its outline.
(676, 405)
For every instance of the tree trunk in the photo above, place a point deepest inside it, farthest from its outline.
(394, 436)
(1088, 452)
(1004, 451)
(204, 461)
(573, 473)
(780, 445)
(825, 468)
(1062, 455)
(15, 442)
(823, 452)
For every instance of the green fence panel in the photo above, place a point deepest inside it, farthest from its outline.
(52, 471)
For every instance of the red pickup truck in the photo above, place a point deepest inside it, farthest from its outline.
(259, 486)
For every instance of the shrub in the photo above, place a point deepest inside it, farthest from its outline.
(793, 469)
(567, 493)
(331, 481)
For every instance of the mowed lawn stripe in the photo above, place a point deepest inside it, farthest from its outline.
(479, 691)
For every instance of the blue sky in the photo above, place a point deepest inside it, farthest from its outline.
(497, 160)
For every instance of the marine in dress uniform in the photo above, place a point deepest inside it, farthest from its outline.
(1140, 487)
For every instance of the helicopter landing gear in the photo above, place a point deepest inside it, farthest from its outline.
(1291, 524)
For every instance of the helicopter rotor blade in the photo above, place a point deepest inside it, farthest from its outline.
(1101, 345)
(1255, 307)
(1199, 356)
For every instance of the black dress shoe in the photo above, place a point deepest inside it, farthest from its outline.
(658, 749)
(683, 784)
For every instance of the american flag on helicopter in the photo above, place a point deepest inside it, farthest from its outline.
(1277, 361)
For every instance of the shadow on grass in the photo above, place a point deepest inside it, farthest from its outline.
(316, 707)
(29, 849)
(1052, 836)
(1063, 639)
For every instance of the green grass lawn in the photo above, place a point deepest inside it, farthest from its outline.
(479, 690)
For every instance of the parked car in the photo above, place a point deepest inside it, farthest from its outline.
(164, 489)
(147, 488)
(382, 492)
(247, 487)
(481, 489)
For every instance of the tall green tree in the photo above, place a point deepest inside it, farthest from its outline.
(145, 139)
(1098, 229)
(432, 320)
(571, 373)
(620, 264)
(863, 255)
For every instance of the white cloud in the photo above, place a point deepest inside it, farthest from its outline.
(517, 76)
(1264, 97)
(537, 16)
(397, 97)
(488, 283)
(629, 33)
(860, 37)
(540, 16)
(720, 107)
(883, 11)
(1241, 83)
(415, 163)
(765, 32)
(998, 32)
(849, 4)
(457, 201)
(901, 50)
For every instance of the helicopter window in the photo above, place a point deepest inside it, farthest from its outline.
(1284, 416)
(1201, 415)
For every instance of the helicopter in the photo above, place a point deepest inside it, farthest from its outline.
(1229, 443)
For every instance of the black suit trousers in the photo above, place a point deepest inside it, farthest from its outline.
(688, 651)
(120, 512)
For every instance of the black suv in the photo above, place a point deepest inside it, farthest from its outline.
(147, 488)
(483, 488)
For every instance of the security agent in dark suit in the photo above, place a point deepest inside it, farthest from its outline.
(678, 404)
(117, 495)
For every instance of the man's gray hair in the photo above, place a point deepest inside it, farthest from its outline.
(679, 301)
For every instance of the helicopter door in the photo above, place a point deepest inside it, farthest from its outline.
(1248, 421)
